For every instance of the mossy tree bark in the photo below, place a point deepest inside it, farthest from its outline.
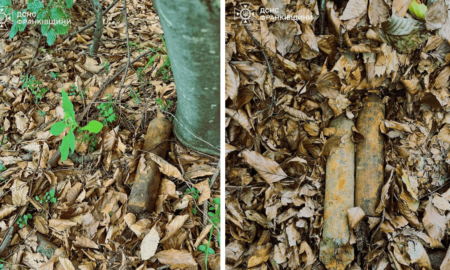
(192, 34)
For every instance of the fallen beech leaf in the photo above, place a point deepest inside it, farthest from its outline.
(19, 192)
(61, 224)
(434, 222)
(174, 226)
(205, 191)
(6, 210)
(165, 167)
(355, 215)
(176, 258)
(149, 244)
(267, 168)
(85, 242)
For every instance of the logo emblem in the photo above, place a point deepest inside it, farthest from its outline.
(244, 13)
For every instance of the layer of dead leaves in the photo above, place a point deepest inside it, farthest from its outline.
(276, 156)
(89, 227)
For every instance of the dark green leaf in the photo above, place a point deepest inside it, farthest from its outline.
(51, 37)
(403, 34)
(35, 6)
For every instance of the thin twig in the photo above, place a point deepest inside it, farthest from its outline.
(103, 87)
(211, 184)
(92, 23)
(128, 48)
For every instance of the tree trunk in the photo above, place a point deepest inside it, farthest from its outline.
(98, 28)
(192, 34)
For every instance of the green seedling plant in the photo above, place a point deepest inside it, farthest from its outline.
(164, 106)
(107, 110)
(135, 95)
(48, 197)
(2, 168)
(54, 19)
(41, 113)
(195, 194)
(2, 263)
(23, 221)
(105, 64)
(68, 142)
(89, 139)
(33, 85)
(214, 215)
(54, 75)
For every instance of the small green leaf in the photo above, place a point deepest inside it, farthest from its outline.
(52, 192)
(53, 200)
(93, 126)
(58, 128)
(69, 3)
(64, 148)
(71, 140)
(56, 13)
(35, 6)
(216, 201)
(29, 216)
(417, 10)
(211, 251)
(67, 105)
(202, 248)
(194, 211)
(14, 30)
(51, 37)
(37, 198)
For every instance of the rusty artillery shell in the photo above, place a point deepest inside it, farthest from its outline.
(339, 197)
(146, 184)
(370, 156)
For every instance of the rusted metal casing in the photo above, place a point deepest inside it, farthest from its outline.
(339, 197)
(370, 156)
(146, 184)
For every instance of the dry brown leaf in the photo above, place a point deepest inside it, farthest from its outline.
(434, 222)
(6, 210)
(85, 242)
(61, 224)
(174, 226)
(176, 258)
(267, 168)
(205, 191)
(149, 244)
(19, 192)
(165, 167)
(355, 215)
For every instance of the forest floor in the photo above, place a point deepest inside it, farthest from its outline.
(72, 214)
(285, 82)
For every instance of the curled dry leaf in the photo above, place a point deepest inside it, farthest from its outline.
(174, 226)
(267, 168)
(355, 215)
(165, 167)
